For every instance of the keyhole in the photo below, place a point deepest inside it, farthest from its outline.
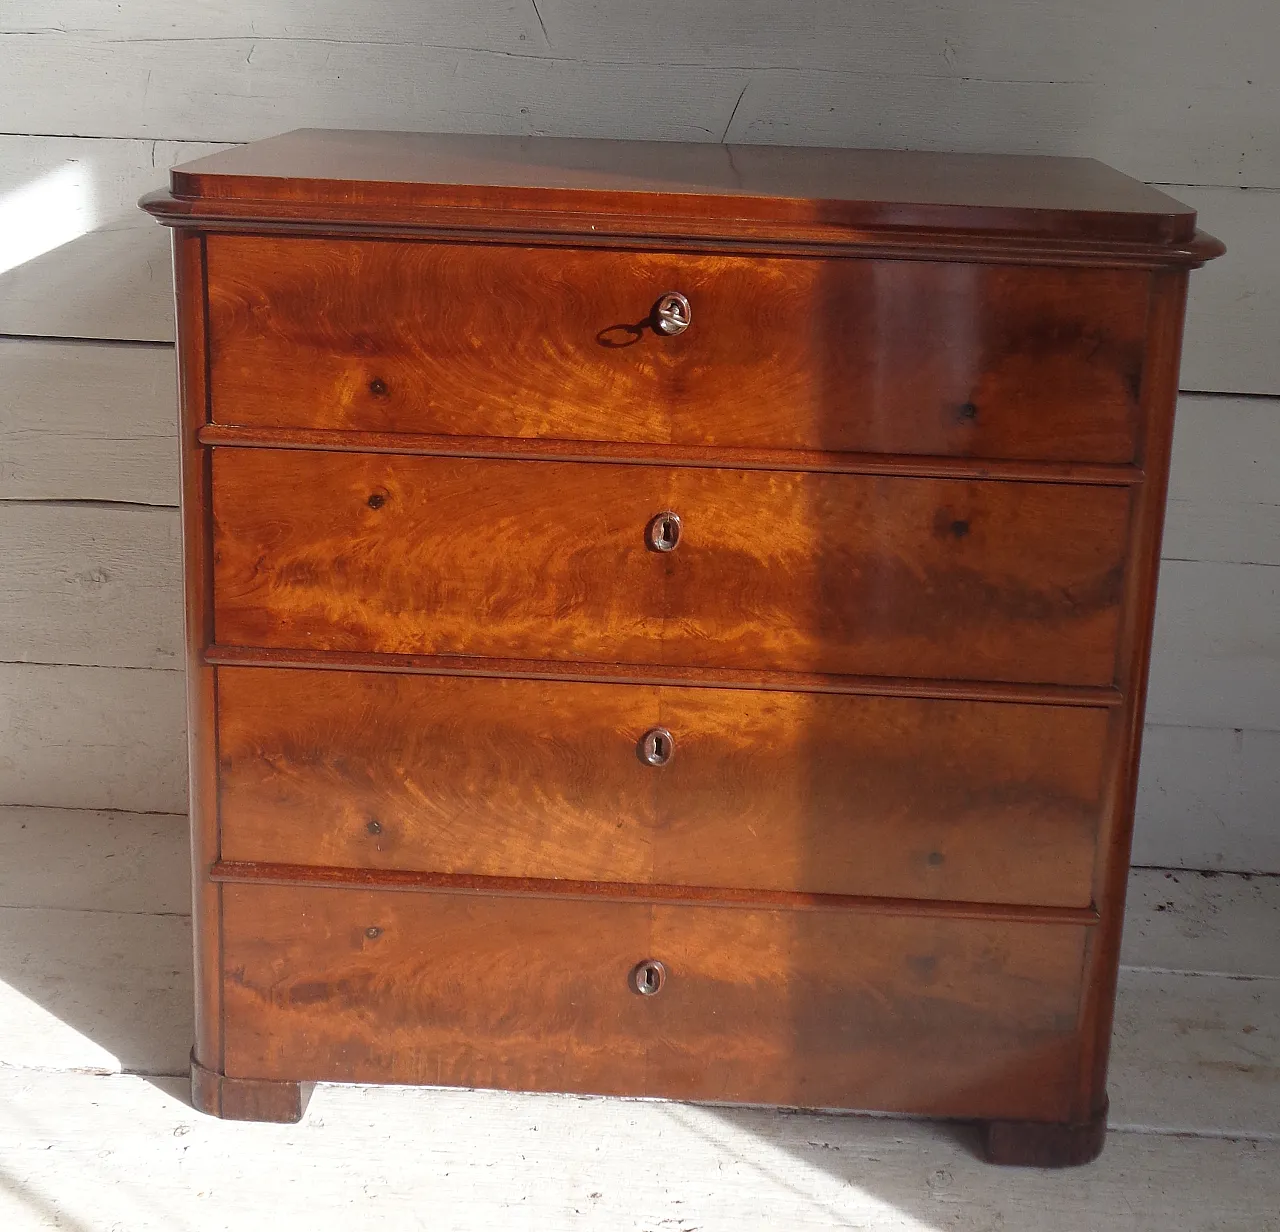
(664, 531)
(648, 977)
(656, 747)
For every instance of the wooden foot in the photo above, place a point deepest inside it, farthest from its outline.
(247, 1099)
(1033, 1144)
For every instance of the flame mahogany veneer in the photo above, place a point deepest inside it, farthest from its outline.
(669, 619)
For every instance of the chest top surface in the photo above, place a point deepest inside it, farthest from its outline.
(604, 186)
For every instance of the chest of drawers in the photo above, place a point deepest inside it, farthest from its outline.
(669, 620)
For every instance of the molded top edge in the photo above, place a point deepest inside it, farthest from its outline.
(371, 175)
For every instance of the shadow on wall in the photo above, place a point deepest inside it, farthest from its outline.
(95, 941)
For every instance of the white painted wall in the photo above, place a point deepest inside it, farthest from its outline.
(98, 100)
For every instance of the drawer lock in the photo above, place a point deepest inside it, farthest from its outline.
(656, 747)
(672, 314)
(663, 532)
(648, 977)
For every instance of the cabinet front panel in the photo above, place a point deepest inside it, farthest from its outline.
(767, 570)
(911, 357)
(818, 793)
(918, 1014)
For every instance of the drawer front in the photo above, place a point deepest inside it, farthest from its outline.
(943, 1017)
(836, 354)
(772, 570)
(898, 797)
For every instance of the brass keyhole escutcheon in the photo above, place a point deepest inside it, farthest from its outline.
(672, 314)
(648, 977)
(663, 532)
(656, 747)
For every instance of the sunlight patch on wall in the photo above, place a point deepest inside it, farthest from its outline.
(45, 214)
(37, 1039)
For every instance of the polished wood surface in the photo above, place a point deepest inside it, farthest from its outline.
(778, 791)
(1031, 1144)
(1050, 197)
(631, 673)
(399, 880)
(916, 436)
(826, 573)
(1160, 393)
(197, 559)
(850, 1010)
(835, 355)
(543, 449)
(247, 1099)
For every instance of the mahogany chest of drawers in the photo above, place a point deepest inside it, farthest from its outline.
(668, 619)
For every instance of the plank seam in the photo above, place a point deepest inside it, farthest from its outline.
(1221, 1135)
(1239, 564)
(59, 502)
(78, 808)
(149, 343)
(170, 915)
(109, 667)
(1234, 976)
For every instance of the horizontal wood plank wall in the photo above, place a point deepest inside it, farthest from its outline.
(90, 694)
(79, 259)
(1190, 100)
(87, 421)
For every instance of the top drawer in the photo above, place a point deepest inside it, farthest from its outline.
(839, 354)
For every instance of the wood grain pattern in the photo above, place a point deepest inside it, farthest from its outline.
(859, 189)
(397, 880)
(1133, 656)
(704, 677)
(847, 1010)
(1026, 1144)
(856, 189)
(828, 795)
(189, 264)
(829, 573)
(543, 449)
(828, 328)
(838, 355)
(247, 1099)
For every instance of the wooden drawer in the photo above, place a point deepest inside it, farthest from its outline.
(914, 1014)
(844, 354)
(830, 794)
(773, 570)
